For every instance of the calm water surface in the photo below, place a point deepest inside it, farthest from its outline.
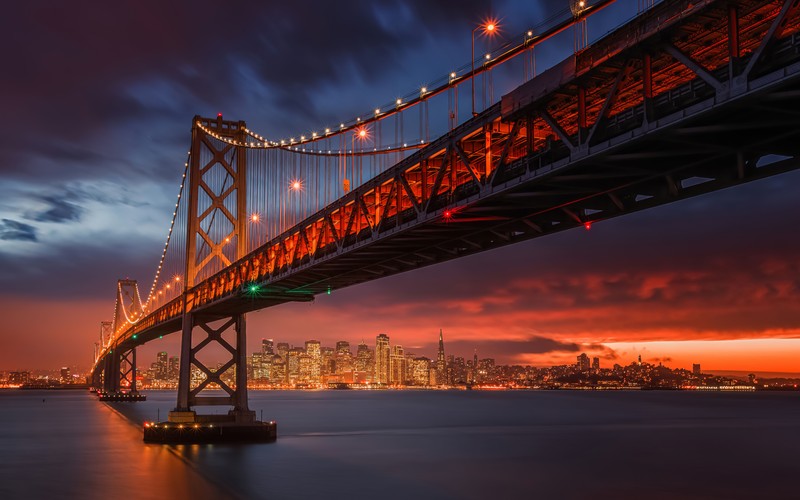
(415, 444)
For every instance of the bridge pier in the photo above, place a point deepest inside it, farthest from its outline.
(119, 368)
(184, 424)
(205, 203)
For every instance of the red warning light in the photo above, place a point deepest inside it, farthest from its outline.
(219, 115)
(587, 225)
(448, 214)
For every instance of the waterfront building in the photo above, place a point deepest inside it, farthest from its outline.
(420, 371)
(397, 366)
(583, 362)
(293, 364)
(314, 351)
(19, 378)
(365, 360)
(256, 370)
(382, 359)
(163, 365)
(343, 358)
(595, 363)
(328, 361)
(305, 368)
(173, 367)
(277, 371)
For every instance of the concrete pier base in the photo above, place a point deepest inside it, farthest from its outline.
(209, 429)
(130, 397)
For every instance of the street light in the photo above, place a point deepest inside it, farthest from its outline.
(361, 133)
(489, 28)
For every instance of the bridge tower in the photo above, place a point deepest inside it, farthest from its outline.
(119, 366)
(216, 237)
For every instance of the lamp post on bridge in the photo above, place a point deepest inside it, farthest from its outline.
(489, 28)
(362, 135)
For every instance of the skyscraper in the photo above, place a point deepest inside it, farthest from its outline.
(163, 365)
(441, 363)
(174, 367)
(267, 347)
(314, 351)
(583, 362)
(283, 351)
(696, 368)
(365, 361)
(382, 359)
(595, 363)
(397, 366)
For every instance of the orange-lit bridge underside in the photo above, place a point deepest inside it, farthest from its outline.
(688, 98)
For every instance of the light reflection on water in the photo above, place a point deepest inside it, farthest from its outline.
(65, 444)
(423, 444)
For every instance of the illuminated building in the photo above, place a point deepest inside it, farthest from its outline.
(420, 371)
(315, 353)
(278, 371)
(283, 351)
(266, 347)
(343, 347)
(328, 362)
(173, 367)
(365, 360)
(382, 359)
(485, 371)
(457, 368)
(397, 366)
(595, 363)
(305, 368)
(66, 378)
(441, 363)
(344, 359)
(163, 365)
(293, 364)
(583, 362)
(19, 378)
(256, 370)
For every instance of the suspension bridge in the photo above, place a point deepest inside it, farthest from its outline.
(687, 97)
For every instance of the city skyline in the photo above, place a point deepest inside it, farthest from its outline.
(88, 202)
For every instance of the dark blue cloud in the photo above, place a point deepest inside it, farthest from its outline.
(11, 230)
(59, 210)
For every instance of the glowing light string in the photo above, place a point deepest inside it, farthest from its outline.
(504, 53)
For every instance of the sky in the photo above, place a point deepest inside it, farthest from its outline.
(98, 100)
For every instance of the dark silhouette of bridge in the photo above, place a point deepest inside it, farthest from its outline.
(689, 97)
